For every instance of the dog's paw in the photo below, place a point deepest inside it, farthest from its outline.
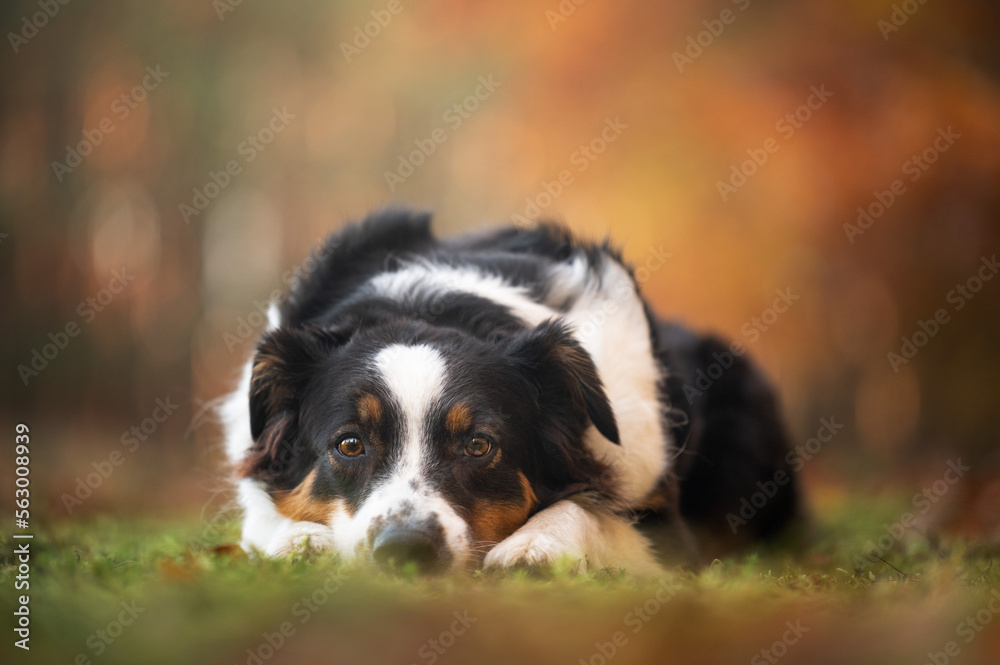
(533, 551)
(566, 537)
(300, 538)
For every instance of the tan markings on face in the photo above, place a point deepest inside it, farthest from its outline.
(492, 521)
(459, 419)
(301, 506)
(370, 410)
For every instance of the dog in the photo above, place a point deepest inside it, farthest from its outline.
(499, 400)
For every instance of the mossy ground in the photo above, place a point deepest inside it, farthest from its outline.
(205, 602)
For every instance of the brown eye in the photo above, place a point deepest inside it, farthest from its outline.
(477, 446)
(350, 446)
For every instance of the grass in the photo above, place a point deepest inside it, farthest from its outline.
(205, 602)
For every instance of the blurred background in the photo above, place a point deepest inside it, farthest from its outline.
(165, 167)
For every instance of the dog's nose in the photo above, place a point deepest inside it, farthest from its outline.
(398, 546)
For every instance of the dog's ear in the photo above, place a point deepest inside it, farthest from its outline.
(564, 371)
(285, 361)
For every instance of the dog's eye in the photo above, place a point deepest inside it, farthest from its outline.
(477, 446)
(350, 446)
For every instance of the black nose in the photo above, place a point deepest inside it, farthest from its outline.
(398, 546)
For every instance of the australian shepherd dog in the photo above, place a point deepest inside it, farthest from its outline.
(501, 399)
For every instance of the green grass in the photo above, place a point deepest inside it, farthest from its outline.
(204, 604)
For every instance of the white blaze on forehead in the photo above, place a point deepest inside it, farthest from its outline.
(414, 377)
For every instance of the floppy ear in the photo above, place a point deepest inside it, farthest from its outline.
(563, 368)
(285, 361)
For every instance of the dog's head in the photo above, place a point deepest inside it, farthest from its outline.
(422, 444)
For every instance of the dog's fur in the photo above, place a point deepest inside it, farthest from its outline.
(528, 344)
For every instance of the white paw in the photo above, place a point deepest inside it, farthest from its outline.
(300, 537)
(533, 549)
(567, 533)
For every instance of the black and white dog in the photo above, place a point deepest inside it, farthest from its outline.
(496, 400)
